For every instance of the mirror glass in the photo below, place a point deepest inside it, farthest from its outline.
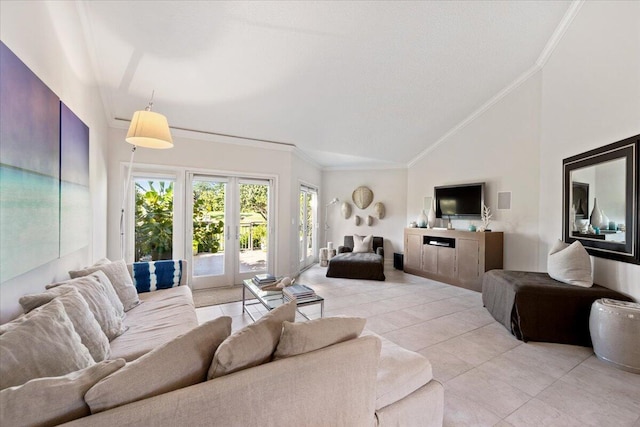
(598, 195)
(600, 206)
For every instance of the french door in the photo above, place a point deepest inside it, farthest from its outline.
(308, 230)
(228, 230)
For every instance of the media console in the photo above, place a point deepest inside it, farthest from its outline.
(452, 256)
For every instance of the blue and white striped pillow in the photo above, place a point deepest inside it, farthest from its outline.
(152, 275)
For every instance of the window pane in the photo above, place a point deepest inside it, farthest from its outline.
(254, 238)
(208, 227)
(154, 219)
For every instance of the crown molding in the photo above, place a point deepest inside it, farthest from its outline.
(558, 34)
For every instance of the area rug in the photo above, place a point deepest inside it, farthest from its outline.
(215, 296)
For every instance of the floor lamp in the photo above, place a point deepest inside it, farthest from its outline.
(149, 130)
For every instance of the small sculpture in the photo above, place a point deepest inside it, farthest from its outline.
(379, 210)
(345, 208)
(356, 219)
(486, 218)
(362, 197)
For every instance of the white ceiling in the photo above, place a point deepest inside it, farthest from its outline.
(350, 84)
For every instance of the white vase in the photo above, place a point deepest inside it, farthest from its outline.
(422, 220)
(596, 214)
(431, 216)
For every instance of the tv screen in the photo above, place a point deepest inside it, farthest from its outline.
(460, 201)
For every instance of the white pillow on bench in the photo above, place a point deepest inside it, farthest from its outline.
(570, 264)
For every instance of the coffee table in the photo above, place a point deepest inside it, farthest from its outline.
(273, 299)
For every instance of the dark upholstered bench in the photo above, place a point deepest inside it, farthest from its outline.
(349, 265)
(535, 307)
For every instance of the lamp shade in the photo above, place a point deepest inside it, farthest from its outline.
(150, 130)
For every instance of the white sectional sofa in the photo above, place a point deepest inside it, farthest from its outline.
(357, 381)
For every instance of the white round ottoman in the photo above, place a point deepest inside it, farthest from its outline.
(615, 333)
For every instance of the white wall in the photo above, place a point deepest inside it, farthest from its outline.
(388, 186)
(51, 44)
(590, 98)
(500, 148)
(209, 154)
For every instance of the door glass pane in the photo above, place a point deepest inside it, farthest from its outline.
(253, 230)
(302, 224)
(311, 201)
(154, 219)
(208, 243)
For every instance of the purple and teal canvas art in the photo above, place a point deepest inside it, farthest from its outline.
(29, 169)
(75, 199)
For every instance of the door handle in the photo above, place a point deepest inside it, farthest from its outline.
(237, 232)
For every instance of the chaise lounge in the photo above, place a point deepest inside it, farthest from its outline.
(353, 262)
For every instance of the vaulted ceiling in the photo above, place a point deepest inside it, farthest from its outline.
(367, 83)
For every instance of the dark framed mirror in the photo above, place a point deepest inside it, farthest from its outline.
(600, 200)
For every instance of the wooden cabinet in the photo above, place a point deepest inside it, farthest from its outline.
(413, 251)
(456, 257)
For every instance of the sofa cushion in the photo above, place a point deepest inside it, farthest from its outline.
(252, 345)
(154, 275)
(44, 344)
(179, 363)
(51, 401)
(362, 244)
(84, 322)
(164, 315)
(95, 295)
(400, 372)
(304, 337)
(570, 264)
(120, 279)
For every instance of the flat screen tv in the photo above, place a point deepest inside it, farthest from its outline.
(462, 201)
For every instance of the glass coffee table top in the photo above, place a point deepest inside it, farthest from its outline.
(273, 299)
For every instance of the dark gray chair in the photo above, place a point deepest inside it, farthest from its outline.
(349, 265)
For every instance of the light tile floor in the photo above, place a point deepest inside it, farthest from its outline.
(490, 378)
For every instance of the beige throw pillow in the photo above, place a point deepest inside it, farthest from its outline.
(53, 400)
(44, 344)
(84, 322)
(252, 345)
(570, 264)
(120, 279)
(180, 363)
(97, 299)
(362, 244)
(303, 337)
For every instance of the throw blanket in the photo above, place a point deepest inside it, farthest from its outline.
(149, 276)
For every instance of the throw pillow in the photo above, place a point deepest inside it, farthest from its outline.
(153, 275)
(120, 279)
(362, 244)
(303, 337)
(96, 297)
(570, 264)
(42, 345)
(84, 322)
(179, 363)
(252, 345)
(53, 400)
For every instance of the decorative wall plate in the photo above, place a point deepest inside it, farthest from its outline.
(356, 219)
(362, 197)
(346, 210)
(379, 210)
(369, 220)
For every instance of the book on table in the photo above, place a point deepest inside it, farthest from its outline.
(299, 292)
(263, 279)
